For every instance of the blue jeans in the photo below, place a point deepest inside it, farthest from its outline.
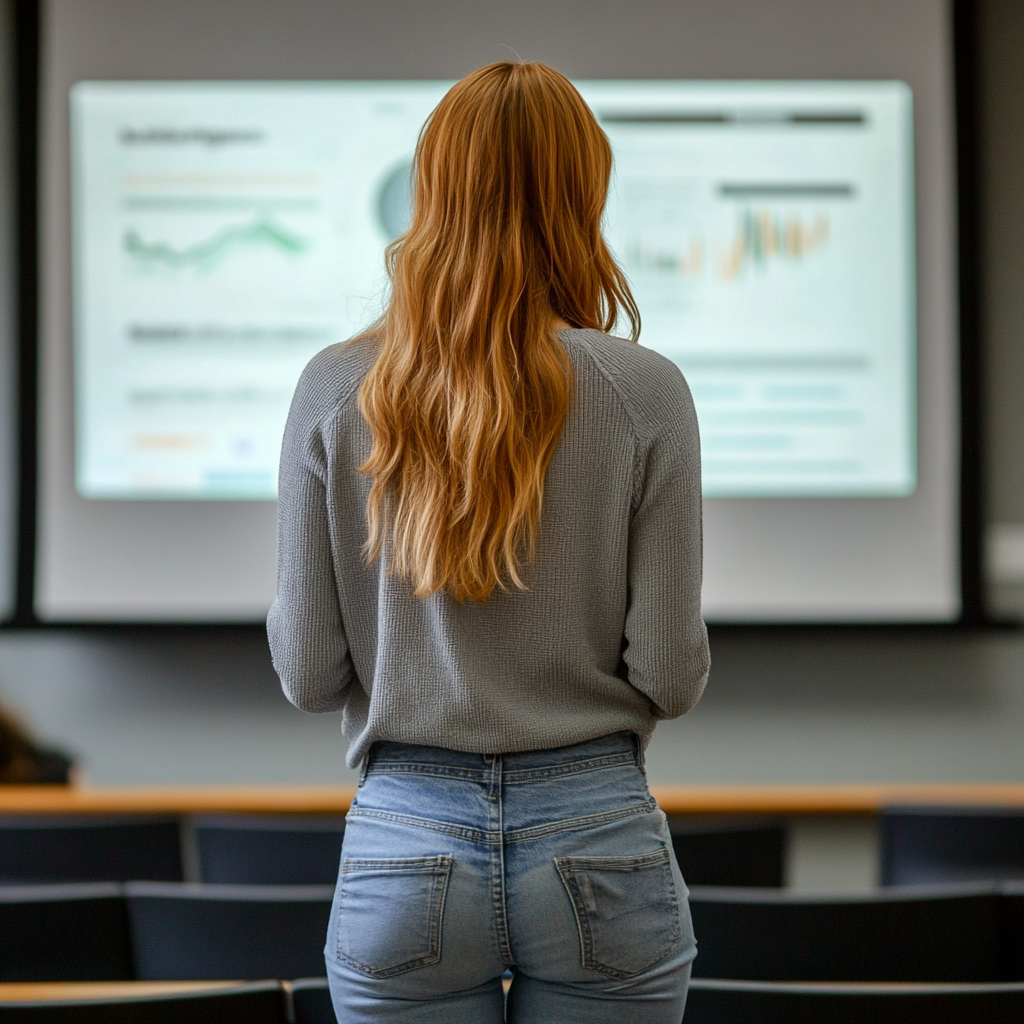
(554, 864)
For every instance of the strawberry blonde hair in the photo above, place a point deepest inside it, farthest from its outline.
(471, 387)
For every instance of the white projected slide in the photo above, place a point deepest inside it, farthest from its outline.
(225, 232)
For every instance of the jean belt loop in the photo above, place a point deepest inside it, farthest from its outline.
(364, 765)
(638, 748)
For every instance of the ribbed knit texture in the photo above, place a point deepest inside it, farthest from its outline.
(609, 635)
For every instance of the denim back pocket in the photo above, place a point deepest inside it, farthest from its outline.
(627, 910)
(389, 914)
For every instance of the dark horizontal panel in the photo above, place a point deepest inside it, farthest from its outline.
(784, 189)
(739, 119)
(837, 117)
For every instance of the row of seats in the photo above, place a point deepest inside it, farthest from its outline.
(160, 931)
(307, 1001)
(292, 850)
(745, 1002)
(259, 849)
(918, 846)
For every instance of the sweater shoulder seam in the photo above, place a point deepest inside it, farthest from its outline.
(641, 433)
(639, 428)
(340, 404)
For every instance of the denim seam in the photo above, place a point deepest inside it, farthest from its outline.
(647, 860)
(471, 835)
(410, 865)
(510, 777)
(572, 824)
(434, 770)
(516, 835)
(638, 750)
(574, 768)
(498, 854)
(576, 902)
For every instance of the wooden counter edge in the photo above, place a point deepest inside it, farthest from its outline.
(176, 800)
(73, 991)
(830, 799)
(704, 799)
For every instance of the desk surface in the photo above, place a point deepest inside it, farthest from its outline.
(46, 991)
(832, 799)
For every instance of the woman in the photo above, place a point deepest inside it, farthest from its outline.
(490, 562)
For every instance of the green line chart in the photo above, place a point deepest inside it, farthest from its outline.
(259, 234)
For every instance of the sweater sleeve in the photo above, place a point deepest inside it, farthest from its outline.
(666, 649)
(307, 636)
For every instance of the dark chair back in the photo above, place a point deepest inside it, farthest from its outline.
(260, 1003)
(269, 849)
(197, 932)
(739, 1002)
(1012, 905)
(311, 1002)
(928, 845)
(729, 851)
(73, 848)
(64, 933)
(942, 934)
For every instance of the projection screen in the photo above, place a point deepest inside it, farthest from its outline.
(217, 189)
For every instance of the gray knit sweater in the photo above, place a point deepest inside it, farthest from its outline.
(608, 636)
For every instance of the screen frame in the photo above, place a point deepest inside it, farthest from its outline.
(964, 62)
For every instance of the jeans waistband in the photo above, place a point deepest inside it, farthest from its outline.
(412, 759)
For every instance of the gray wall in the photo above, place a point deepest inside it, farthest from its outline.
(184, 707)
(203, 706)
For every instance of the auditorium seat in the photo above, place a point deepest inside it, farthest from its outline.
(269, 849)
(259, 1003)
(311, 1002)
(924, 845)
(73, 848)
(1012, 906)
(714, 1001)
(64, 933)
(936, 934)
(729, 851)
(194, 932)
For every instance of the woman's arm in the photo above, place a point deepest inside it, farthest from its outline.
(306, 633)
(666, 641)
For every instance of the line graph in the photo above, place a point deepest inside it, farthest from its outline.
(257, 234)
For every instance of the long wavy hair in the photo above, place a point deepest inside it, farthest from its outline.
(471, 387)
